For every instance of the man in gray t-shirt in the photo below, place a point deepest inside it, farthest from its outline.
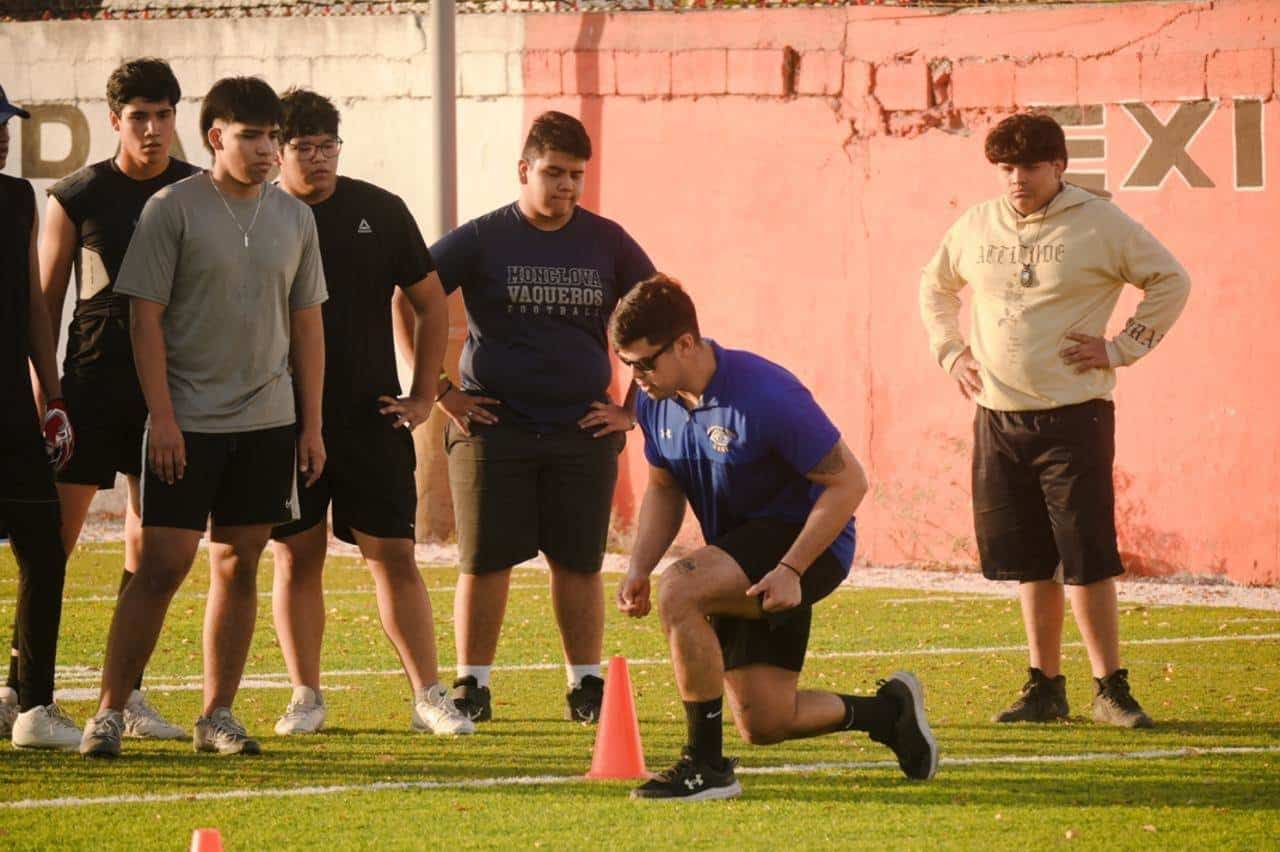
(226, 282)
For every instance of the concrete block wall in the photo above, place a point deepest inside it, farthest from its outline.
(797, 167)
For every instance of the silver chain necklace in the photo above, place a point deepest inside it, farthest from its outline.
(1027, 277)
(256, 210)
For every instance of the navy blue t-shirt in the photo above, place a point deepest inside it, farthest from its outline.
(743, 453)
(538, 303)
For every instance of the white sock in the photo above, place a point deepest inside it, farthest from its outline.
(480, 673)
(577, 673)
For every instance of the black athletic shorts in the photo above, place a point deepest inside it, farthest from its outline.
(240, 478)
(368, 478)
(778, 638)
(109, 415)
(1043, 495)
(517, 492)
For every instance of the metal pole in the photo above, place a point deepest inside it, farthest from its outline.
(444, 105)
(434, 518)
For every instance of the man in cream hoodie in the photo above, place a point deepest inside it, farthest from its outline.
(1046, 262)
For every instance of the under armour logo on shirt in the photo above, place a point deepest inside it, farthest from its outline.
(364, 227)
(694, 783)
(666, 433)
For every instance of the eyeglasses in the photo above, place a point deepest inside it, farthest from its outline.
(648, 363)
(307, 150)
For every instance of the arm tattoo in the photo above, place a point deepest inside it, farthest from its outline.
(832, 463)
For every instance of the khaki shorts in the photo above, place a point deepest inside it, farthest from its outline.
(517, 492)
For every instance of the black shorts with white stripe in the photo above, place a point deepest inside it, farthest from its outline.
(238, 478)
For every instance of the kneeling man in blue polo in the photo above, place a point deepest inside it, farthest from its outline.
(774, 489)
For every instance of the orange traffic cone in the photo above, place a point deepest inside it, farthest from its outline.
(206, 840)
(618, 753)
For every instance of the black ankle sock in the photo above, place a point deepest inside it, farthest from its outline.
(12, 681)
(706, 734)
(125, 577)
(869, 714)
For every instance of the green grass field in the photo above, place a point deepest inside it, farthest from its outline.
(1207, 776)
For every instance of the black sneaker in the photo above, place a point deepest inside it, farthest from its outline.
(692, 780)
(1043, 699)
(1115, 705)
(582, 703)
(471, 700)
(909, 736)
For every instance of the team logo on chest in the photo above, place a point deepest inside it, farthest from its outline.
(364, 227)
(720, 438)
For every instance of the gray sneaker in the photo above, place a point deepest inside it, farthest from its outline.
(220, 732)
(1115, 705)
(102, 734)
(8, 711)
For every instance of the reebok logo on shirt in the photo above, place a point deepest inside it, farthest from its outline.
(364, 227)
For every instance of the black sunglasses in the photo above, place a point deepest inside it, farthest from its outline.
(648, 363)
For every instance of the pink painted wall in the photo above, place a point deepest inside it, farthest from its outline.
(799, 201)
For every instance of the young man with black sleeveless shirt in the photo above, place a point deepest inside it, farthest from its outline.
(89, 221)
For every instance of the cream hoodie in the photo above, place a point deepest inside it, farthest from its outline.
(1083, 249)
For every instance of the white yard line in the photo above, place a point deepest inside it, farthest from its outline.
(544, 780)
(75, 673)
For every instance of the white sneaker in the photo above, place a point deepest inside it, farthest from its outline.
(8, 710)
(45, 727)
(304, 715)
(435, 712)
(144, 722)
(223, 733)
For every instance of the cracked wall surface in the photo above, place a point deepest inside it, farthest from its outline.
(796, 168)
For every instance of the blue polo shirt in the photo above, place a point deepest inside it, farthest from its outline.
(743, 452)
(537, 307)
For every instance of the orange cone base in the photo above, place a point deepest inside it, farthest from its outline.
(206, 840)
(618, 754)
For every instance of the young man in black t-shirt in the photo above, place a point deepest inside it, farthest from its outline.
(89, 221)
(534, 438)
(28, 502)
(371, 250)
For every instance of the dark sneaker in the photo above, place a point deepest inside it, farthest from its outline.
(1115, 705)
(1043, 699)
(692, 780)
(471, 700)
(909, 736)
(582, 703)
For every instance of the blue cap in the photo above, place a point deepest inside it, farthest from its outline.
(8, 110)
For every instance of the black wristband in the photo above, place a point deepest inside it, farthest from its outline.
(793, 569)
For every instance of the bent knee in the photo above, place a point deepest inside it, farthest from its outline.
(762, 732)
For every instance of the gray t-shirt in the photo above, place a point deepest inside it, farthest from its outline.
(226, 321)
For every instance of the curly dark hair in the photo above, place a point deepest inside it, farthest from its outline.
(149, 78)
(307, 114)
(556, 131)
(657, 309)
(1026, 138)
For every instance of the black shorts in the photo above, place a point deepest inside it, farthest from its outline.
(240, 478)
(368, 477)
(781, 638)
(108, 414)
(1043, 495)
(517, 492)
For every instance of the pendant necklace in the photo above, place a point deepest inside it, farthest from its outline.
(1027, 277)
(245, 233)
